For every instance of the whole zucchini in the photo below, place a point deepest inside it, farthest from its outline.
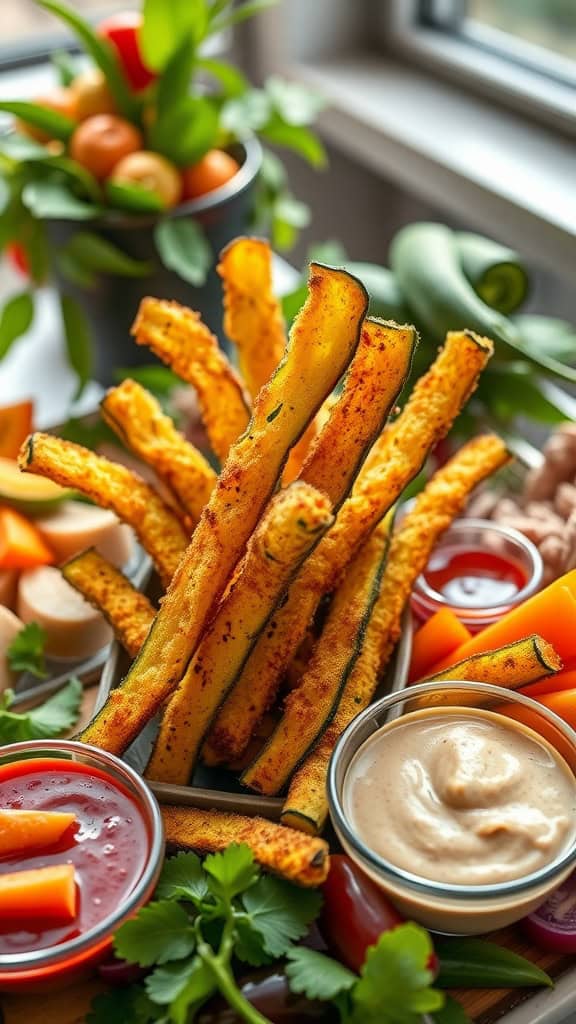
(424, 257)
(494, 271)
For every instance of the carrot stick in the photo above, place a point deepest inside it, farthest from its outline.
(41, 892)
(31, 830)
(436, 640)
(550, 613)
(561, 681)
(563, 704)
(21, 544)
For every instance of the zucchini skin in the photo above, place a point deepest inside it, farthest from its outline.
(424, 258)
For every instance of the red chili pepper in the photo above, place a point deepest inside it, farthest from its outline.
(122, 31)
(16, 253)
(355, 913)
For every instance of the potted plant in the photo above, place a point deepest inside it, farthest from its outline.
(130, 176)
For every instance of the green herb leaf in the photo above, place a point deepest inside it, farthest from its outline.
(317, 976)
(94, 253)
(159, 933)
(199, 988)
(395, 979)
(78, 340)
(166, 983)
(53, 200)
(15, 319)
(74, 172)
(249, 946)
(242, 12)
(26, 652)
(58, 713)
(231, 872)
(174, 83)
(21, 147)
(297, 138)
(451, 1013)
(183, 248)
(295, 103)
(183, 878)
(123, 1005)
(473, 963)
(233, 82)
(247, 114)
(158, 379)
(65, 66)
(55, 124)
(166, 25)
(133, 198)
(101, 53)
(280, 912)
(187, 130)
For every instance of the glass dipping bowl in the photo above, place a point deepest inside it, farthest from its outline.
(444, 907)
(59, 965)
(485, 536)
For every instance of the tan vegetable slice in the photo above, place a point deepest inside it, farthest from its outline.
(10, 626)
(73, 628)
(284, 851)
(179, 338)
(439, 503)
(253, 318)
(292, 525)
(74, 526)
(137, 418)
(394, 460)
(129, 612)
(309, 709)
(322, 341)
(111, 486)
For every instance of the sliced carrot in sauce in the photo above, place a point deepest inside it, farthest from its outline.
(39, 893)
(21, 831)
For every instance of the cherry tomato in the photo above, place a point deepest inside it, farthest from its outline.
(16, 253)
(122, 31)
(60, 99)
(212, 171)
(100, 142)
(92, 94)
(151, 171)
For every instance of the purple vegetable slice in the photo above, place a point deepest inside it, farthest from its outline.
(553, 925)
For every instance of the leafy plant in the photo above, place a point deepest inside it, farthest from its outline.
(191, 105)
(26, 651)
(52, 718)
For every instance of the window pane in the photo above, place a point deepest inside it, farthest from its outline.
(550, 24)
(23, 21)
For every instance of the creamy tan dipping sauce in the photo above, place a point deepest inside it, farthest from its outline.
(463, 797)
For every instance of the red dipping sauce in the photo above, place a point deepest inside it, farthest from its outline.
(475, 579)
(116, 847)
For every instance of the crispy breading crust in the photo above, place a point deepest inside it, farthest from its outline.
(283, 851)
(112, 486)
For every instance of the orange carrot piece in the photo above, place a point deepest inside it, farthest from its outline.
(561, 681)
(21, 831)
(551, 613)
(442, 634)
(563, 704)
(21, 544)
(15, 425)
(39, 893)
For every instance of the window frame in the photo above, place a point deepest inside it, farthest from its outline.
(478, 61)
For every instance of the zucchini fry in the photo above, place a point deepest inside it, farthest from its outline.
(512, 666)
(113, 486)
(135, 415)
(284, 851)
(438, 504)
(129, 612)
(309, 709)
(371, 387)
(394, 460)
(180, 339)
(322, 341)
(292, 525)
(253, 318)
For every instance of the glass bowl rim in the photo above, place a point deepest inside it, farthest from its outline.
(148, 806)
(508, 533)
(440, 890)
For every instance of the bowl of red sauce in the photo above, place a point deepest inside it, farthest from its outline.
(480, 570)
(111, 853)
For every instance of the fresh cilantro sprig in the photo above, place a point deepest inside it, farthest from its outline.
(26, 652)
(207, 915)
(52, 718)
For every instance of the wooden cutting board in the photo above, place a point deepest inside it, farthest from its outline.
(483, 1006)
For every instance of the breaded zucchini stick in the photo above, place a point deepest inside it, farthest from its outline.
(137, 417)
(112, 486)
(322, 342)
(441, 501)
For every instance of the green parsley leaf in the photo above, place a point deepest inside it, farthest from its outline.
(200, 987)
(58, 713)
(122, 1005)
(231, 872)
(26, 652)
(182, 878)
(249, 946)
(317, 976)
(161, 932)
(394, 987)
(166, 983)
(280, 912)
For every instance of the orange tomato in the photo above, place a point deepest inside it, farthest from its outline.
(152, 172)
(100, 142)
(60, 99)
(92, 94)
(211, 172)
